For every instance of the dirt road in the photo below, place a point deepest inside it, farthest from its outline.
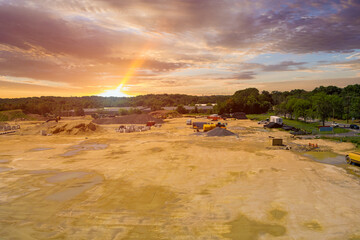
(169, 184)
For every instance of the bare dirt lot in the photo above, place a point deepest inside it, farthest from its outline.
(167, 183)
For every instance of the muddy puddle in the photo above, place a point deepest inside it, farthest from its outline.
(39, 149)
(64, 176)
(5, 169)
(84, 147)
(76, 188)
(247, 229)
(44, 171)
(326, 157)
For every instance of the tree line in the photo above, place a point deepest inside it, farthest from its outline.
(322, 102)
(56, 105)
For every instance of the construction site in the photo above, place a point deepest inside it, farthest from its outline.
(151, 177)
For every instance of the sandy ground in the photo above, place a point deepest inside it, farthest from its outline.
(169, 184)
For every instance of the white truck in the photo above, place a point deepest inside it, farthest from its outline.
(276, 119)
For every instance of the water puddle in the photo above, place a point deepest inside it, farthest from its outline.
(148, 232)
(84, 147)
(5, 169)
(247, 229)
(278, 214)
(142, 200)
(326, 157)
(43, 171)
(4, 161)
(313, 225)
(75, 189)
(39, 149)
(64, 176)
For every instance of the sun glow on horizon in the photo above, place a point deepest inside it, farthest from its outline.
(135, 64)
(114, 93)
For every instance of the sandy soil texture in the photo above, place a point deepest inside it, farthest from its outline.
(168, 183)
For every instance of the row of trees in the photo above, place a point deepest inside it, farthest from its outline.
(322, 102)
(56, 105)
(249, 101)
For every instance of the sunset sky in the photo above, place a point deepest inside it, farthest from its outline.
(200, 47)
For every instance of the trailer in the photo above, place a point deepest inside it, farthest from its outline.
(276, 119)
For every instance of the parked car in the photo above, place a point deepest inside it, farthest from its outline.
(334, 124)
(354, 126)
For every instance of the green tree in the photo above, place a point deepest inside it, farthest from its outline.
(301, 108)
(181, 109)
(290, 106)
(355, 108)
(123, 112)
(322, 106)
(79, 111)
(335, 105)
(195, 110)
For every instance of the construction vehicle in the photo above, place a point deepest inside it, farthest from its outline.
(211, 126)
(150, 123)
(214, 117)
(353, 157)
(198, 125)
(56, 119)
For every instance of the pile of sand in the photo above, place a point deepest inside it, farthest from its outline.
(35, 128)
(129, 119)
(220, 132)
(73, 128)
(70, 128)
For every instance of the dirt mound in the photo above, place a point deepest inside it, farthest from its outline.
(129, 119)
(220, 132)
(73, 128)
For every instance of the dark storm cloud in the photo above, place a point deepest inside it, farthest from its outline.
(291, 26)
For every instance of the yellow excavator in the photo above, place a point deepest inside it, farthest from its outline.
(211, 126)
(353, 157)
